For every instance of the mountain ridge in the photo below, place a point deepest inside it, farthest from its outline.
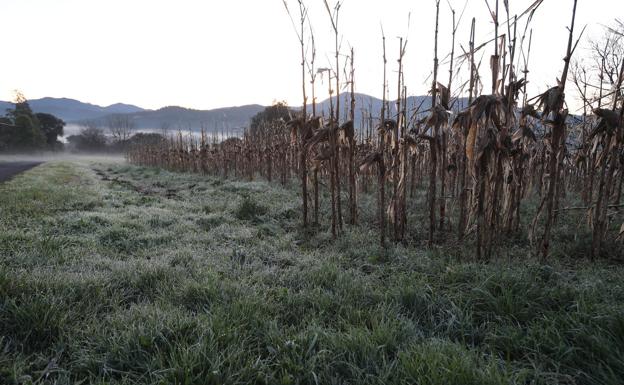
(232, 119)
(71, 109)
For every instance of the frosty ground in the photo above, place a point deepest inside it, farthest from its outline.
(117, 274)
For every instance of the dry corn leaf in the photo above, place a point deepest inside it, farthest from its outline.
(470, 141)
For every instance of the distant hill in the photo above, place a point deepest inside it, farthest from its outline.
(230, 119)
(75, 112)
(365, 104)
(72, 110)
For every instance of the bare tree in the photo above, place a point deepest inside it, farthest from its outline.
(165, 127)
(120, 127)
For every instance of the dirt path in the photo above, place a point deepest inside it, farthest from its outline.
(10, 169)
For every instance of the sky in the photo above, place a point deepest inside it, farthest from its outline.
(207, 54)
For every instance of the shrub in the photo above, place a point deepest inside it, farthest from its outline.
(248, 209)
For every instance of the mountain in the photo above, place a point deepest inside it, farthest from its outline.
(180, 118)
(75, 113)
(366, 104)
(229, 119)
(72, 110)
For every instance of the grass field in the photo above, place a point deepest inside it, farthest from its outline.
(115, 274)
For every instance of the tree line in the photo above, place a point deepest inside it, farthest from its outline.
(23, 130)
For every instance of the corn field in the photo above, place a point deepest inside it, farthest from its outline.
(481, 165)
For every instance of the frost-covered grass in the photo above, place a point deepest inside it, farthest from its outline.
(114, 274)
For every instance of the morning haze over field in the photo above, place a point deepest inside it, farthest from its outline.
(312, 192)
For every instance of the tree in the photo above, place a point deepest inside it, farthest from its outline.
(22, 129)
(146, 139)
(120, 127)
(28, 135)
(277, 111)
(165, 127)
(91, 138)
(51, 126)
(25, 132)
(6, 131)
(267, 118)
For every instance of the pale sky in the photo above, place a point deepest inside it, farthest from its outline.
(206, 54)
